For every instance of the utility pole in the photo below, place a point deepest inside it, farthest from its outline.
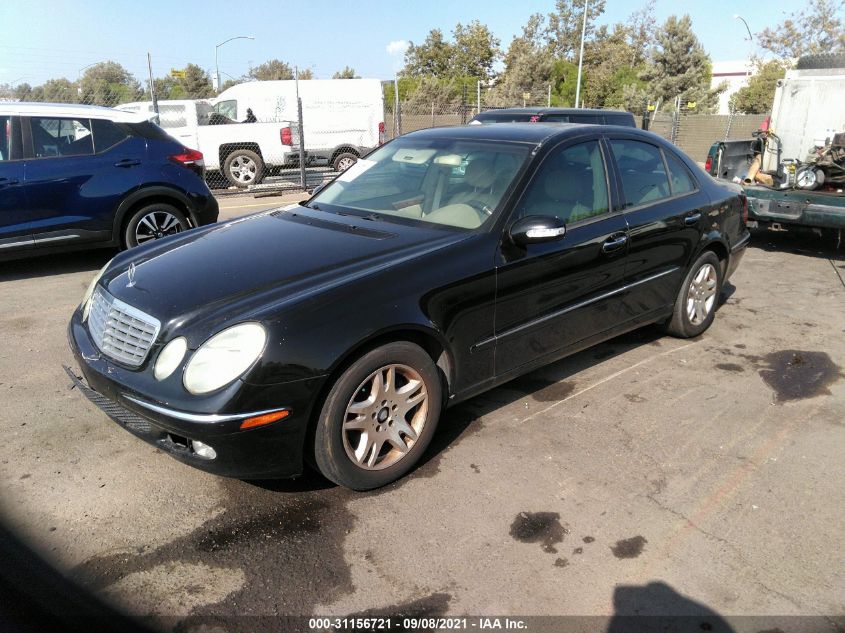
(397, 110)
(581, 55)
(152, 84)
(302, 179)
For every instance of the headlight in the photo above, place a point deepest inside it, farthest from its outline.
(170, 357)
(86, 298)
(224, 357)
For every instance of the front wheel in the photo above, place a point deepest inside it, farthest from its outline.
(379, 417)
(695, 306)
(153, 222)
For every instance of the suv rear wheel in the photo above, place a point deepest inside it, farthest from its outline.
(154, 221)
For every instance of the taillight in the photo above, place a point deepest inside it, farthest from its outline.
(286, 135)
(708, 164)
(381, 135)
(190, 158)
(745, 209)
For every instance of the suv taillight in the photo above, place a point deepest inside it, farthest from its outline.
(381, 135)
(708, 164)
(286, 135)
(745, 209)
(190, 158)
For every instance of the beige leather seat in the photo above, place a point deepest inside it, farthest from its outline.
(480, 177)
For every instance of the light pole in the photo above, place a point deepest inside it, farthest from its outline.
(581, 55)
(216, 67)
(737, 16)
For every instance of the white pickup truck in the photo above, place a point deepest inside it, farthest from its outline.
(243, 152)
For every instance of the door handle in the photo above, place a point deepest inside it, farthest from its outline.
(692, 219)
(614, 243)
(127, 162)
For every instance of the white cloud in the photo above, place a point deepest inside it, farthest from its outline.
(397, 47)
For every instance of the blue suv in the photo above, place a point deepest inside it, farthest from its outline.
(74, 177)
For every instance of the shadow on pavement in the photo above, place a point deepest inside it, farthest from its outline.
(57, 264)
(658, 607)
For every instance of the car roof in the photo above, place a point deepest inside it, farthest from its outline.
(536, 133)
(552, 111)
(24, 108)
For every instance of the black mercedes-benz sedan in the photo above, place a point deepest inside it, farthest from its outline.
(445, 263)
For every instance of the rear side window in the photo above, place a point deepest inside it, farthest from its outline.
(619, 119)
(679, 176)
(10, 138)
(228, 109)
(149, 130)
(504, 117)
(172, 116)
(106, 134)
(643, 173)
(61, 137)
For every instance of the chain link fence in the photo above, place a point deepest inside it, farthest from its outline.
(261, 150)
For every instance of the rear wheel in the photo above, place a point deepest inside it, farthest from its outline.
(695, 306)
(344, 161)
(153, 222)
(243, 168)
(379, 417)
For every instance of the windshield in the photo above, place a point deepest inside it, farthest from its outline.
(450, 182)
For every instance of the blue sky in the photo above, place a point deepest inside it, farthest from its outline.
(53, 38)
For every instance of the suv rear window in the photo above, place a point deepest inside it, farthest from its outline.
(504, 117)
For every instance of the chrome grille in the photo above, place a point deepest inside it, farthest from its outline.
(119, 330)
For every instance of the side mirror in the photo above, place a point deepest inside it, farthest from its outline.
(318, 188)
(534, 229)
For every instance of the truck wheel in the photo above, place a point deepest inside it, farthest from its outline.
(243, 168)
(152, 222)
(695, 306)
(344, 161)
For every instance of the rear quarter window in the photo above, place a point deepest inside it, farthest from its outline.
(107, 134)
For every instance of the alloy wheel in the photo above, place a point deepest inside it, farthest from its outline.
(345, 163)
(243, 169)
(701, 294)
(384, 417)
(155, 225)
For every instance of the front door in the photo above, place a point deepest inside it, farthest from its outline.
(15, 221)
(552, 295)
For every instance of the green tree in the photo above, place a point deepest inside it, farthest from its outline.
(678, 66)
(108, 84)
(59, 91)
(565, 24)
(431, 58)
(474, 51)
(817, 28)
(23, 92)
(346, 73)
(196, 84)
(758, 95)
(306, 74)
(529, 65)
(272, 70)
(442, 94)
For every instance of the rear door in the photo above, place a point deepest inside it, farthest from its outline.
(665, 210)
(15, 233)
(77, 173)
(553, 295)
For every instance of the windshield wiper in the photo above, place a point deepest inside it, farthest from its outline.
(372, 217)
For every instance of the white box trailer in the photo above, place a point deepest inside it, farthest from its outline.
(343, 119)
(809, 106)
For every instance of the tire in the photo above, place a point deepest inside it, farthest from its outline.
(243, 168)
(821, 60)
(692, 315)
(152, 222)
(342, 451)
(344, 161)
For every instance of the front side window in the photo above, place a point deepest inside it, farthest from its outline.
(450, 182)
(61, 137)
(643, 173)
(228, 109)
(570, 184)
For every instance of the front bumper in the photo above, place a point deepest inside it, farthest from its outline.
(272, 451)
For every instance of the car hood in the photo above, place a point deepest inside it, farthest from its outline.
(241, 268)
